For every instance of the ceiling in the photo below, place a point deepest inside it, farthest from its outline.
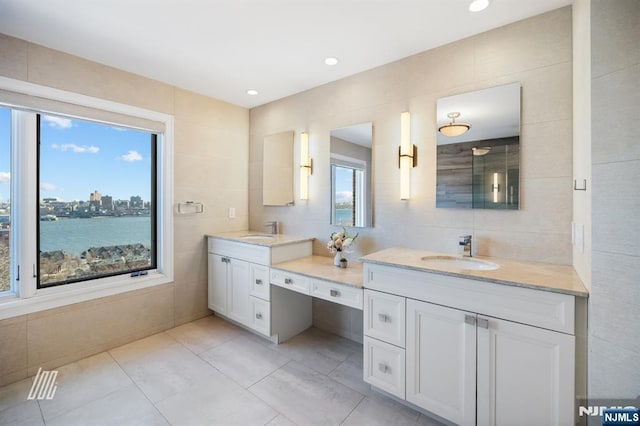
(222, 48)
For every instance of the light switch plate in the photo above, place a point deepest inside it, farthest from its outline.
(578, 236)
(232, 212)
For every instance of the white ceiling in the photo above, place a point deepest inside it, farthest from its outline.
(221, 48)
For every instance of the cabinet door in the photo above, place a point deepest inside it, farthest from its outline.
(238, 288)
(525, 374)
(217, 283)
(441, 361)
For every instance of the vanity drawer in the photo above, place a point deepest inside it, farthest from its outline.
(384, 317)
(384, 366)
(260, 316)
(290, 281)
(337, 293)
(259, 284)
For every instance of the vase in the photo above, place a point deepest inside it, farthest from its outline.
(337, 259)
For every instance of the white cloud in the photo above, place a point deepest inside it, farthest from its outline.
(5, 177)
(132, 156)
(344, 196)
(80, 149)
(58, 122)
(46, 186)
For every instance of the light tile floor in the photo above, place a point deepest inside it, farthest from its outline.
(210, 372)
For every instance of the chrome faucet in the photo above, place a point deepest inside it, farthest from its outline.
(273, 225)
(466, 242)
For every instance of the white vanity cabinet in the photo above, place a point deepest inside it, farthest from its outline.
(476, 353)
(238, 279)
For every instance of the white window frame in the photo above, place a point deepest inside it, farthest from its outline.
(27, 297)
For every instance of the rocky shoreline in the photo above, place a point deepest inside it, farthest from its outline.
(58, 265)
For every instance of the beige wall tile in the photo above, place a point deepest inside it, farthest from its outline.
(190, 301)
(535, 42)
(13, 57)
(621, 24)
(63, 71)
(546, 150)
(617, 111)
(13, 350)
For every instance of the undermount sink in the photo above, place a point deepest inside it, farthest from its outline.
(457, 262)
(257, 236)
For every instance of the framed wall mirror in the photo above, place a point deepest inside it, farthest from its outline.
(478, 149)
(277, 169)
(351, 175)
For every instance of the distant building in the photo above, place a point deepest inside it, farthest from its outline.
(95, 199)
(107, 202)
(121, 204)
(136, 202)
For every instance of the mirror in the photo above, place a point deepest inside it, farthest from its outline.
(478, 149)
(277, 169)
(351, 170)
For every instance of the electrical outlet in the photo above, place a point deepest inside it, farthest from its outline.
(232, 212)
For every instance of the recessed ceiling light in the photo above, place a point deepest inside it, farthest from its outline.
(331, 61)
(478, 5)
(252, 92)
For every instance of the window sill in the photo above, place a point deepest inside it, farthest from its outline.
(55, 297)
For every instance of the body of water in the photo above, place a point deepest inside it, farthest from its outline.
(77, 235)
(344, 217)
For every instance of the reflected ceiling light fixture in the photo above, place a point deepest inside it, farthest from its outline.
(407, 156)
(331, 61)
(252, 92)
(453, 128)
(306, 166)
(479, 5)
(480, 150)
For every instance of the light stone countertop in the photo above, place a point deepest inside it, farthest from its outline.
(269, 240)
(321, 267)
(535, 275)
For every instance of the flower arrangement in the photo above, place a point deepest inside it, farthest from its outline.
(340, 241)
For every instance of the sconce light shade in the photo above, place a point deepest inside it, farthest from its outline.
(453, 128)
(407, 156)
(305, 166)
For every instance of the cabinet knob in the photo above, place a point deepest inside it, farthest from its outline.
(383, 367)
(259, 282)
(288, 281)
(259, 315)
(384, 318)
(334, 293)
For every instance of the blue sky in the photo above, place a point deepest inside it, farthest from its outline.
(344, 185)
(78, 157)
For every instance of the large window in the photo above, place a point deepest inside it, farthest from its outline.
(86, 203)
(5, 200)
(97, 208)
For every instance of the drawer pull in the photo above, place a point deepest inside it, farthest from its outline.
(258, 282)
(384, 318)
(288, 281)
(483, 323)
(334, 293)
(259, 315)
(384, 368)
(470, 319)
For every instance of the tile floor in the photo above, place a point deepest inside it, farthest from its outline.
(210, 372)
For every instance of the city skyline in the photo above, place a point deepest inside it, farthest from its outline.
(78, 157)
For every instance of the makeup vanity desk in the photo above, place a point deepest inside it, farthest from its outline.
(266, 282)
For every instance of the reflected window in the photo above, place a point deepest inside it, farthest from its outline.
(349, 195)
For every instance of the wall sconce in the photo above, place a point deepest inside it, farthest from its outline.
(306, 166)
(407, 156)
